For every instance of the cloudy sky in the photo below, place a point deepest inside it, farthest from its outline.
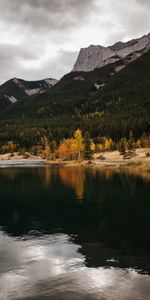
(41, 38)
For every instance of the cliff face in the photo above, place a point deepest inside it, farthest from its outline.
(97, 56)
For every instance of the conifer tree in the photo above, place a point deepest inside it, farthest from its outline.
(53, 147)
(46, 146)
(87, 147)
(122, 146)
(131, 142)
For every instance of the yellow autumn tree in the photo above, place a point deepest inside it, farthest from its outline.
(62, 151)
(100, 147)
(108, 144)
(9, 147)
(68, 149)
(138, 143)
(93, 146)
(71, 147)
(79, 141)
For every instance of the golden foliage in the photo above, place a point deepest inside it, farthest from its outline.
(79, 141)
(108, 144)
(9, 147)
(68, 149)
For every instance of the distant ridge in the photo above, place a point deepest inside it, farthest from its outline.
(15, 89)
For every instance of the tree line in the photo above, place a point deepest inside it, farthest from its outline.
(78, 146)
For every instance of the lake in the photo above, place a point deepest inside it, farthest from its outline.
(74, 233)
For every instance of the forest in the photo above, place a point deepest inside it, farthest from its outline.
(77, 147)
(104, 105)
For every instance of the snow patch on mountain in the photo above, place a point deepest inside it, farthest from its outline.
(12, 99)
(17, 81)
(50, 82)
(32, 92)
(98, 86)
(17, 89)
(39, 86)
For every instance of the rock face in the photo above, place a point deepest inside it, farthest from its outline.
(97, 56)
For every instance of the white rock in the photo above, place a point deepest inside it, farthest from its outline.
(119, 68)
(98, 56)
(92, 57)
(79, 78)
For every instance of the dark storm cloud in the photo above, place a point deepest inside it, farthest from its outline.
(45, 14)
(37, 25)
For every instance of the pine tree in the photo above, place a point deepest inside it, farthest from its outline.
(46, 146)
(122, 146)
(87, 147)
(53, 148)
(131, 142)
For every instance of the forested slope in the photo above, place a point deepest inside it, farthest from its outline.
(105, 102)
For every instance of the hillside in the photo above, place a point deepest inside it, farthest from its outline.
(67, 96)
(107, 102)
(16, 89)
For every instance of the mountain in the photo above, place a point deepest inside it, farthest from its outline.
(16, 89)
(95, 67)
(98, 56)
(108, 101)
(104, 101)
(65, 97)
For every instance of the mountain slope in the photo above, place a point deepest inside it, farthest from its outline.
(66, 96)
(106, 102)
(100, 62)
(16, 89)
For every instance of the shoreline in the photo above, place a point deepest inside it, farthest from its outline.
(140, 164)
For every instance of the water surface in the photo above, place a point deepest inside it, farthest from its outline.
(70, 233)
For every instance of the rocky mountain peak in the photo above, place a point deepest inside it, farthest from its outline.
(98, 56)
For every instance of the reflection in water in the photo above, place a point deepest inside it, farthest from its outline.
(47, 174)
(73, 177)
(52, 266)
(71, 233)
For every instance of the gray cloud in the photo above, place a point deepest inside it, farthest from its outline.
(40, 38)
(39, 26)
(62, 65)
(13, 59)
(46, 14)
(142, 2)
(131, 18)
